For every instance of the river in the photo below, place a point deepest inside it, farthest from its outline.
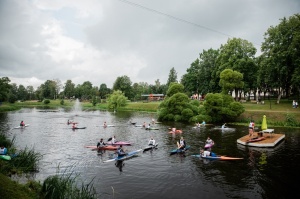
(263, 173)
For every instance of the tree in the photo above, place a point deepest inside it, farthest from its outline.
(116, 100)
(30, 92)
(231, 80)
(4, 88)
(103, 91)
(176, 106)
(221, 107)
(123, 84)
(172, 76)
(280, 52)
(22, 93)
(69, 89)
(239, 55)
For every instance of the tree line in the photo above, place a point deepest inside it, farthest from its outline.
(233, 68)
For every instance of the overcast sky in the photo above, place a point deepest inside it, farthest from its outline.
(100, 40)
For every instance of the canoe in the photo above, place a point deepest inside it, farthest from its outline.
(109, 125)
(175, 151)
(152, 128)
(217, 158)
(21, 127)
(109, 148)
(79, 128)
(5, 157)
(119, 143)
(256, 139)
(129, 155)
(150, 147)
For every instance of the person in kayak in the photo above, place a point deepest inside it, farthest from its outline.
(3, 150)
(181, 144)
(74, 125)
(121, 152)
(22, 123)
(144, 125)
(224, 126)
(205, 153)
(151, 142)
(113, 139)
(104, 125)
(209, 141)
(101, 143)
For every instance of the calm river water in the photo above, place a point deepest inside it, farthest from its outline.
(263, 173)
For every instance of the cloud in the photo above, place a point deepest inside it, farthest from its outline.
(98, 41)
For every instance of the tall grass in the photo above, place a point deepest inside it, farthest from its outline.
(65, 187)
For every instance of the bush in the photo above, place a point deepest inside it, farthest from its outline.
(46, 101)
(62, 102)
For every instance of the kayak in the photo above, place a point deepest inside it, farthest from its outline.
(5, 157)
(138, 125)
(119, 143)
(79, 128)
(217, 157)
(256, 139)
(109, 125)
(109, 148)
(129, 155)
(150, 147)
(21, 127)
(151, 128)
(175, 151)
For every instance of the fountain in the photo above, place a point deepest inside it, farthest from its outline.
(77, 107)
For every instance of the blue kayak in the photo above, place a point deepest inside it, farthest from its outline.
(175, 151)
(128, 155)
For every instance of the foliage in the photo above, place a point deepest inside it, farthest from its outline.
(46, 101)
(12, 98)
(69, 89)
(280, 58)
(172, 76)
(116, 100)
(175, 88)
(104, 91)
(123, 84)
(177, 106)
(4, 88)
(94, 100)
(231, 80)
(62, 102)
(64, 187)
(221, 107)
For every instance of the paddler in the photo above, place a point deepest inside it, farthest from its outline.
(22, 123)
(121, 152)
(3, 150)
(151, 142)
(181, 144)
(101, 143)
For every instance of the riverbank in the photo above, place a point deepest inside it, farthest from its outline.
(282, 114)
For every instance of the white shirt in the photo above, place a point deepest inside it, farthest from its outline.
(205, 153)
(151, 142)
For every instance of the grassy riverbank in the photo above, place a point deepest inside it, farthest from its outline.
(282, 114)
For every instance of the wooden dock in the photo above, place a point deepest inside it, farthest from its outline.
(271, 139)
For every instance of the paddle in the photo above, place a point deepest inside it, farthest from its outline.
(109, 139)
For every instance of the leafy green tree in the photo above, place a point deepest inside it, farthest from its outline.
(22, 93)
(239, 55)
(222, 108)
(123, 84)
(30, 92)
(175, 88)
(48, 89)
(4, 88)
(280, 52)
(103, 91)
(176, 106)
(69, 89)
(231, 80)
(116, 99)
(172, 76)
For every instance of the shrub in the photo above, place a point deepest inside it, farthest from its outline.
(46, 101)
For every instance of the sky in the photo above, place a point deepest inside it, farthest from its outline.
(101, 40)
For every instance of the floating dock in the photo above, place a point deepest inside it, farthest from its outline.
(271, 139)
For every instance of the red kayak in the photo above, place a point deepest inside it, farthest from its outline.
(110, 148)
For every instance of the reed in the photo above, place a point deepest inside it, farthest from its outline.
(64, 186)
